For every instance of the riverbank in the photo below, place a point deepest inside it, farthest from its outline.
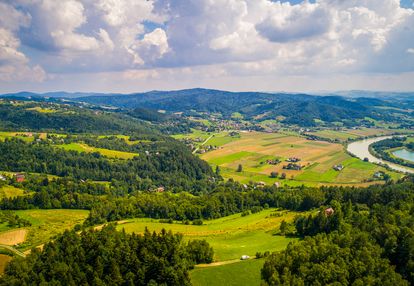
(360, 149)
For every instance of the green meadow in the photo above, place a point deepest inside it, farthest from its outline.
(238, 273)
(231, 236)
(48, 223)
(80, 147)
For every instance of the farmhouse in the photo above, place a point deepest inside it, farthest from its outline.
(293, 166)
(293, 159)
(338, 167)
(19, 177)
(273, 162)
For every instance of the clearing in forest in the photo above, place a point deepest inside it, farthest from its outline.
(80, 147)
(231, 236)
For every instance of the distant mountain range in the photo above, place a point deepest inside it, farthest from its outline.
(296, 108)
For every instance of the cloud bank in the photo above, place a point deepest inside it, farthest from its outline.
(46, 40)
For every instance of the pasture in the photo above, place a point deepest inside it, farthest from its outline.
(80, 147)
(238, 273)
(349, 134)
(25, 136)
(231, 236)
(48, 223)
(216, 139)
(252, 150)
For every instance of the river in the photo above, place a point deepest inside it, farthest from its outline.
(360, 149)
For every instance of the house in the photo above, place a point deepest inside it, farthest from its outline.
(338, 167)
(292, 166)
(378, 175)
(329, 211)
(293, 159)
(245, 257)
(273, 162)
(19, 177)
(2, 178)
(160, 189)
(276, 184)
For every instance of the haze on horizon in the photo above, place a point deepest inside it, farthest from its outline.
(139, 45)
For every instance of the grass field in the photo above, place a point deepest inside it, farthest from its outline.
(231, 237)
(25, 136)
(344, 135)
(240, 273)
(42, 110)
(48, 223)
(13, 237)
(10, 192)
(79, 147)
(252, 150)
(217, 139)
(4, 259)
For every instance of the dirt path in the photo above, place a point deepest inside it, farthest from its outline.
(12, 249)
(219, 263)
(211, 136)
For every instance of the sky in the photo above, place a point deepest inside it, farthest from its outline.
(257, 45)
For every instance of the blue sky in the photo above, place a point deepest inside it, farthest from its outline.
(137, 45)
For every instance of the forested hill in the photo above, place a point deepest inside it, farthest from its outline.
(296, 108)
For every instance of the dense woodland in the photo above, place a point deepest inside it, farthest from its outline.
(173, 167)
(367, 239)
(109, 257)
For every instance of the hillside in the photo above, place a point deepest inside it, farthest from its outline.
(294, 108)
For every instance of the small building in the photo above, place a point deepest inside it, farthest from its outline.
(160, 189)
(19, 177)
(293, 159)
(273, 162)
(2, 178)
(276, 184)
(261, 184)
(292, 166)
(244, 257)
(338, 167)
(379, 175)
(329, 211)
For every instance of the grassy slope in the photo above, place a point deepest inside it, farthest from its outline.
(79, 147)
(48, 223)
(10, 192)
(231, 237)
(240, 273)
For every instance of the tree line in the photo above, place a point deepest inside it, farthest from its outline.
(109, 257)
(367, 239)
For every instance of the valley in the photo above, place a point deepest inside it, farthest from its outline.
(235, 188)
